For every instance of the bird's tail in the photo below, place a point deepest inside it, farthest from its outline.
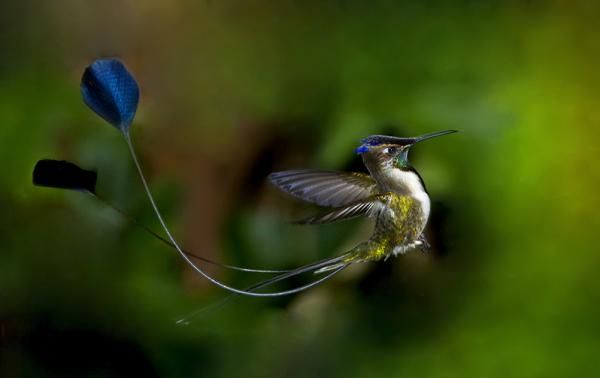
(361, 253)
(332, 265)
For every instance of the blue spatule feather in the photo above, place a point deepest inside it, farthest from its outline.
(111, 91)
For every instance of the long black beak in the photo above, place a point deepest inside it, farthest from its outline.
(375, 140)
(432, 135)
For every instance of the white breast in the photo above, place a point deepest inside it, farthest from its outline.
(408, 183)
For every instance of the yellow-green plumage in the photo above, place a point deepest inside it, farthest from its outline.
(400, 223)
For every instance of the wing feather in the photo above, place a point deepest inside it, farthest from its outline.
(369, 207)
(325, 188)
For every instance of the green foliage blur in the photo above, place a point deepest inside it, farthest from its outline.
(233, 90)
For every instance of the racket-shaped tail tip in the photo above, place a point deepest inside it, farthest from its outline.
(111, 92)
(63, 174)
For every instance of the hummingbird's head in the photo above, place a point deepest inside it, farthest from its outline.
(393, 151)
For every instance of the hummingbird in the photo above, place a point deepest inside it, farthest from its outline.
(393, 193)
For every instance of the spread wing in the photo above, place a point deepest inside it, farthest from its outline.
(368, 207)
(325, 188)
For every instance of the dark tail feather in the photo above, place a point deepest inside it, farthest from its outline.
(62, 174)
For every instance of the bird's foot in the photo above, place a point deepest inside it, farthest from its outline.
(425, 246)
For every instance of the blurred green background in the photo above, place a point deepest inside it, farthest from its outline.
(234, 90)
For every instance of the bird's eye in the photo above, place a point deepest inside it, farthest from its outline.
(390, 150)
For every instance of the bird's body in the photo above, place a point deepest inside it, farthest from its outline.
(392, 193)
